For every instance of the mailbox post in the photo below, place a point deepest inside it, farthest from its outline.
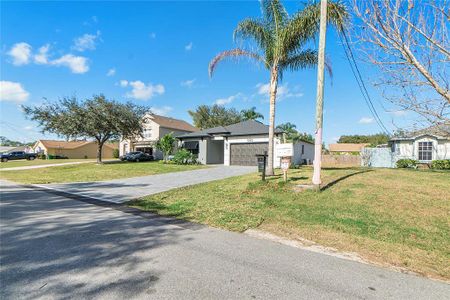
(262, 161)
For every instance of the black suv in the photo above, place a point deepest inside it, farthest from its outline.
(14, 155)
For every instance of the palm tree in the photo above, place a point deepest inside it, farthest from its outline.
(281, 41)
(251, 114)
(288, 129)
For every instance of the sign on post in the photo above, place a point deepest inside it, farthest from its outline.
(285, 163)
(283, 150)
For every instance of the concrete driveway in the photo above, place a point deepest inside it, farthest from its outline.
(53, 247)
(122, 190)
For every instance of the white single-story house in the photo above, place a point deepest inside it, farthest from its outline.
(424, 145)
(238, 144)
(155, 127)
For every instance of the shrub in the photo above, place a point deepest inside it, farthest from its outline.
(406, 163)
(42, 156)
(441, 164)
(184, 157)
(116, 153)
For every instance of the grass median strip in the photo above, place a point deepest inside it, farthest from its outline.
(398, 217)
(92, 172)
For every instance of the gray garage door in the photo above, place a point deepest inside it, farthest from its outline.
(244, 154)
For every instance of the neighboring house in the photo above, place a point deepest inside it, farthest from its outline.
(238, 144)
(346, 148)
(425, 145)
(4, 149)
(74, 149)
(155, 127)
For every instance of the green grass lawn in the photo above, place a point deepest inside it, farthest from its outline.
(38, 162)
(92, 172)
(389, 216)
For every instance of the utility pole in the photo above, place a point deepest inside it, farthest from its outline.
(319, 99)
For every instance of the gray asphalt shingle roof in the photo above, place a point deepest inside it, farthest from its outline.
(249, 127)
(441, 131)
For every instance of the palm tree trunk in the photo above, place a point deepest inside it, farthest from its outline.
(273, 96)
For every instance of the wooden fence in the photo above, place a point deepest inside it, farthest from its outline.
(341, 160)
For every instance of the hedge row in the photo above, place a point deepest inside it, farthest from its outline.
(439, 164)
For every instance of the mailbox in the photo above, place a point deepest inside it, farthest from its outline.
(262, 161)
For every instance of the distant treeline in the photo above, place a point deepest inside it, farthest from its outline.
(373, 140)
(9, 143)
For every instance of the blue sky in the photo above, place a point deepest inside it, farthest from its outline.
(157, 54)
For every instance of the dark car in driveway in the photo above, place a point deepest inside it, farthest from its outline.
(15, 155)
(137, 156)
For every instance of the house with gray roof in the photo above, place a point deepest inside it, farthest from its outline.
(423, 145)
(238, 144)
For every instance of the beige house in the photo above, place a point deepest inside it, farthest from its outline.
(73, 149)
(155, 127)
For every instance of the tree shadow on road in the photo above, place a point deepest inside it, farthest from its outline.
(60, 248)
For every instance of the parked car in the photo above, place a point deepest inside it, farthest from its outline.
(139, 156)
(128, 155)
(4, 157)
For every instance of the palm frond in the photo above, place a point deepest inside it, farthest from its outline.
(234, 53)
(304, 60)
(254, 29)
(304, 25)
(273, 12)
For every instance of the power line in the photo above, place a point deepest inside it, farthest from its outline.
(357, 74)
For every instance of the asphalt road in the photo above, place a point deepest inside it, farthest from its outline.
(55, 247)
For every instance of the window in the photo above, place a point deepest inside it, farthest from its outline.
(147, 133)
(303, 149)
(425, 151)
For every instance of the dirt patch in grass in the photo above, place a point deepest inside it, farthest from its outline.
(389, 216)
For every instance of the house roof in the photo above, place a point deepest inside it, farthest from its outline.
(250, 127)
(70, 144)
(441, 131)
(172, 123)
(346, 147)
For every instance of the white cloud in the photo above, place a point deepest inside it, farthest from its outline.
(77, 64)
(283, 91)
(365, 120)
(188, 47)
(111, 72)
(86, 42)
(224, 101)
(29, 127)
(162, 111)
(142, 91)
(188, 83)
(42, 56)
(13, 91)
(20, 53)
